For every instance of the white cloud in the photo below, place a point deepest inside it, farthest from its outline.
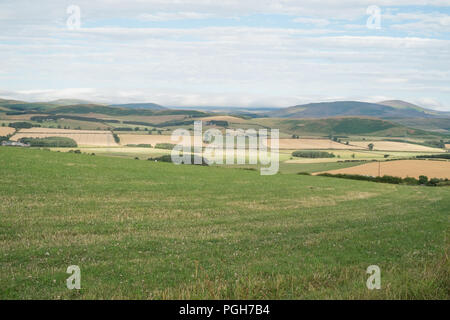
(265, 65)
(419, 23)
(170, 16)
(312, 21)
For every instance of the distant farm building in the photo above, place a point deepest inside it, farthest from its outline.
(14, 144)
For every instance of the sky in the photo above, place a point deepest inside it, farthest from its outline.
(244, 53)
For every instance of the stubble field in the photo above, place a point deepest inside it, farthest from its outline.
(400, 168)
(4, 131)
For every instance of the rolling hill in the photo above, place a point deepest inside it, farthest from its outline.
(148, 106)
(6, 102)
(119, 111)
(341, 126)
(75, 106)
(395, 109)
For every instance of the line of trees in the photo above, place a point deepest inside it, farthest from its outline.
(58, 142)
(313, 154)
(423, 180)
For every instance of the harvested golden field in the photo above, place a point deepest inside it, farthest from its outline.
(4, 131)
(311, 144)
(146, 139)
(82, 137)
(230, 119)
(400, 168)
(394, 146)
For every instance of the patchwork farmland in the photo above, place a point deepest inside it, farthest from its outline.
(143, 229)
(81, 137)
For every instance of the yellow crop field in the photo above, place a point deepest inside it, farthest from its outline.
(82, 137)
(400, 168)
(394, 146)
(4, 131)
(147, 139)
(311, 144)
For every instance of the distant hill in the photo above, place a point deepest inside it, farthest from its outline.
(396, 109)
(119, 111)
(23, 106)
(150, 106)
(341, 126)
(62, 106)
(6, 102)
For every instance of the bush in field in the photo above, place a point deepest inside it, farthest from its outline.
(116, 138)
(123, 129)
(5, 138)
(410, 181)
(168, 158)
(168, 146)
(62, 142)
(312, 154)
(433, 182)
(21, 125)
(423, 179)
(141, 145)
(434, 156)
(219, 123)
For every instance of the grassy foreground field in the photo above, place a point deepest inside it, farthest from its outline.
(146, 230)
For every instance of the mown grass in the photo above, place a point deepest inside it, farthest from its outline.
(146, 230)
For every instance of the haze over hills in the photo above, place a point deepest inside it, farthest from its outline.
(400, 104)
(69, 102)
(392, 109)
(344, 117)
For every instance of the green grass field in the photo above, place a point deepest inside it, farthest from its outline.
(146, 230)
